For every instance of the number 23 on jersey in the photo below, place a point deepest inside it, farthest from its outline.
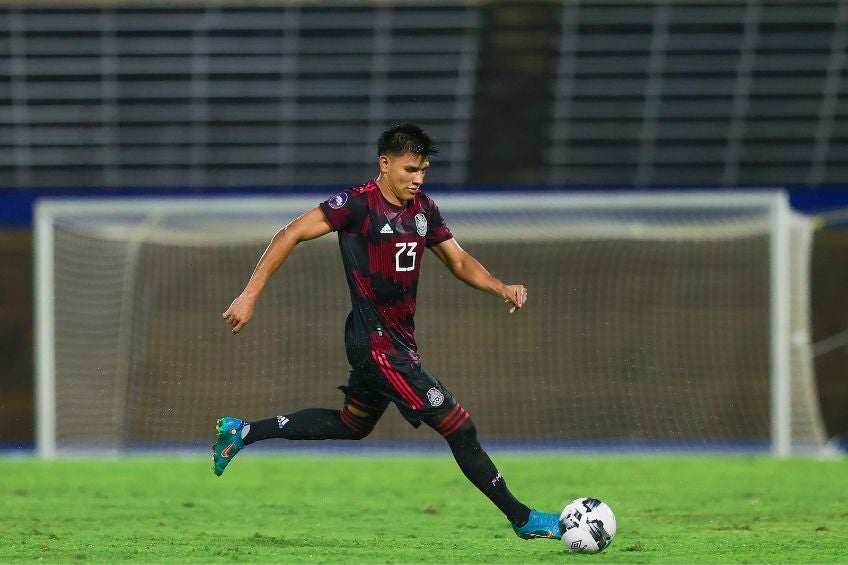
(405, 256)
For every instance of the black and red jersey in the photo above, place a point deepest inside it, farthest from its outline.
(382, 246)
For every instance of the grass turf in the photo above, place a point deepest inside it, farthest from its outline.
(416, 509)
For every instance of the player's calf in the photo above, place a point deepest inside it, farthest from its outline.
(349, 423)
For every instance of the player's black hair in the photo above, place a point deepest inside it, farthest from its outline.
(405, 139)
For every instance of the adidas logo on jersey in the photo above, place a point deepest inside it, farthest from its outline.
(387, 229)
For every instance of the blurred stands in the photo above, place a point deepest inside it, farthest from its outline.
(637, 92)
(215, 94)
(743, 92)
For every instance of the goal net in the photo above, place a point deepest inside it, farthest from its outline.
(655, 321)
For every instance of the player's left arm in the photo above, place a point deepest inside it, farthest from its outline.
(469, 270)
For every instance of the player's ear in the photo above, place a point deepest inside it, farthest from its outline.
(384, 163)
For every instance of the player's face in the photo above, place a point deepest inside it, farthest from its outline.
(403, 175)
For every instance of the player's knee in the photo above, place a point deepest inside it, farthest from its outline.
(456, 423)
(468, 430)
(464, 443)
(358, 422)
(465, 434)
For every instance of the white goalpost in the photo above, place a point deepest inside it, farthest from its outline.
(666, 320)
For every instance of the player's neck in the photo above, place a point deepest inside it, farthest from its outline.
(387, 193)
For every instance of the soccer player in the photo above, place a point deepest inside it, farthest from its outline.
(383, 228)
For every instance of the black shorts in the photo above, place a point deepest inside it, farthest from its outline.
(418, 395)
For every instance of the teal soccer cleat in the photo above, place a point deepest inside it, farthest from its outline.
(229, 443)
(539, 525)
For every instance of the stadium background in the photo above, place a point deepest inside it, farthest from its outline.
(194, 98)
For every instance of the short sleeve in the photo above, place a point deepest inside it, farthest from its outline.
(437, 228)
(339, 210)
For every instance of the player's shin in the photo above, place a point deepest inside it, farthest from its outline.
(311, 423)
(481, 471)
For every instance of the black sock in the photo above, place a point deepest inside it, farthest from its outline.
(478, 467)
(312, 423)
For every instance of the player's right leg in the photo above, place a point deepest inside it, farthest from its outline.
(230, 441)
(354, 421)
(349, 423)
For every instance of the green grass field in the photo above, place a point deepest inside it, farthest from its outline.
(416, 509)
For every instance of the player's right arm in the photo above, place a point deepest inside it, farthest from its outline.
(310, 225)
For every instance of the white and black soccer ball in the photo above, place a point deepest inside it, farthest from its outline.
(587, 525)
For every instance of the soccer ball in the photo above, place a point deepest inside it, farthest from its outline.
(587, 525)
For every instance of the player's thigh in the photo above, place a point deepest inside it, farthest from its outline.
(419, 396)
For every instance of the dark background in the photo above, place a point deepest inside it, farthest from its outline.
(107, 99)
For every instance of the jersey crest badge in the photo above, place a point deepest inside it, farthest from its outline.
(338, 200)
(435, 397)
(421, 228)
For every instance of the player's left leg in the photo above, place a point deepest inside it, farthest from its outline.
(461, 434)
(422, 398)
(475, 463)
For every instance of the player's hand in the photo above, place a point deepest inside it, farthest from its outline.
(515, 295)
(240, 312)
